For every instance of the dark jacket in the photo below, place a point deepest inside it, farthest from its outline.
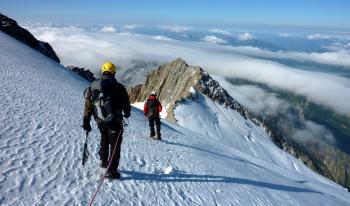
(146, 107)
(119, 95)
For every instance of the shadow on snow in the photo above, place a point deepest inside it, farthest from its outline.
(183, 177)
(214, 153)
(178, 176)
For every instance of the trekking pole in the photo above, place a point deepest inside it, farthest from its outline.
(85, 152)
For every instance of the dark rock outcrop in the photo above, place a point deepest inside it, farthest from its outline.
(85, 73)
(10, 27)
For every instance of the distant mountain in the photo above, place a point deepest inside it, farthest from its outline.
(10, 27)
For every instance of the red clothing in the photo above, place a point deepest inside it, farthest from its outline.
(159, 105)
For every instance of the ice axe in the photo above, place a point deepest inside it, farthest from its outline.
(85, 152)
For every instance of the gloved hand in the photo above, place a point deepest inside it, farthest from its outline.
(127, 115)
(86, 124)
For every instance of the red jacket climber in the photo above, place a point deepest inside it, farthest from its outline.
(151, 109)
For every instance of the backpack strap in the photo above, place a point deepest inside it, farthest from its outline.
(87, 93)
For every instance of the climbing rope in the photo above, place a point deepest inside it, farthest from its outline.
(104, 175)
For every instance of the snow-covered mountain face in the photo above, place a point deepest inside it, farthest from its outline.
(215, 158)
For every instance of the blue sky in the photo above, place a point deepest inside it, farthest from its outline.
(324, 13)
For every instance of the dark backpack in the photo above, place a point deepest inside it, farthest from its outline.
(152, 105)
(103, 100)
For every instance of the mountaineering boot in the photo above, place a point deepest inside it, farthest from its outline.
(104, 164)
(112, 174)
(158, 136)
(152, 134)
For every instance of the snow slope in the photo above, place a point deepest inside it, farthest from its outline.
(229, 162)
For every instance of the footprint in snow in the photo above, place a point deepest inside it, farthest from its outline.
(249, 138)
(39, 126)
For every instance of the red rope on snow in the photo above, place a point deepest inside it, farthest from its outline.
(104, 175)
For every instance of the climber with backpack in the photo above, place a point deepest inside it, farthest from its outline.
(151, 109)
(108, 102)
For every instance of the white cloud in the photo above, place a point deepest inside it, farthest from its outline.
(318, 36)
(219, 31)
(131, 26)
(108, 29)
(335, 58)
(162, 38)
(254, 98)
(213, 40)
(245, 36)
(338, 46)
(176, 28)
(90, 50)
(313, 132)
(284, 35)
(264, 103)
(332, 36)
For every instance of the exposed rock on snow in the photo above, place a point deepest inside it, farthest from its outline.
(10, 27)
(85, 73)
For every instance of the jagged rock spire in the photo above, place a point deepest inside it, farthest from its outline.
(174, 82)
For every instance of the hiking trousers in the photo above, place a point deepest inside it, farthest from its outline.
(154, 120)
(109, 137)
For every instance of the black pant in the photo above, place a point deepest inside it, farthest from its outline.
(108, 141)
(154, 120)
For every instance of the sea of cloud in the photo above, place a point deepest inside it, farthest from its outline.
(255, 98)
(90, 48)
(339, 54)
(213, 39)
(266, 104)
(313, 132)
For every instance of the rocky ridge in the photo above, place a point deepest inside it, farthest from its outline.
(173, 83)
(10, 27)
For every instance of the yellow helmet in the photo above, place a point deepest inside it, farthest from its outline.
(108, 67)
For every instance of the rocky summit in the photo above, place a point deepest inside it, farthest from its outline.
(177, 81)
(10, 27)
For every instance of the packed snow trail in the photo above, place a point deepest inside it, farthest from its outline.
(41, 143)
